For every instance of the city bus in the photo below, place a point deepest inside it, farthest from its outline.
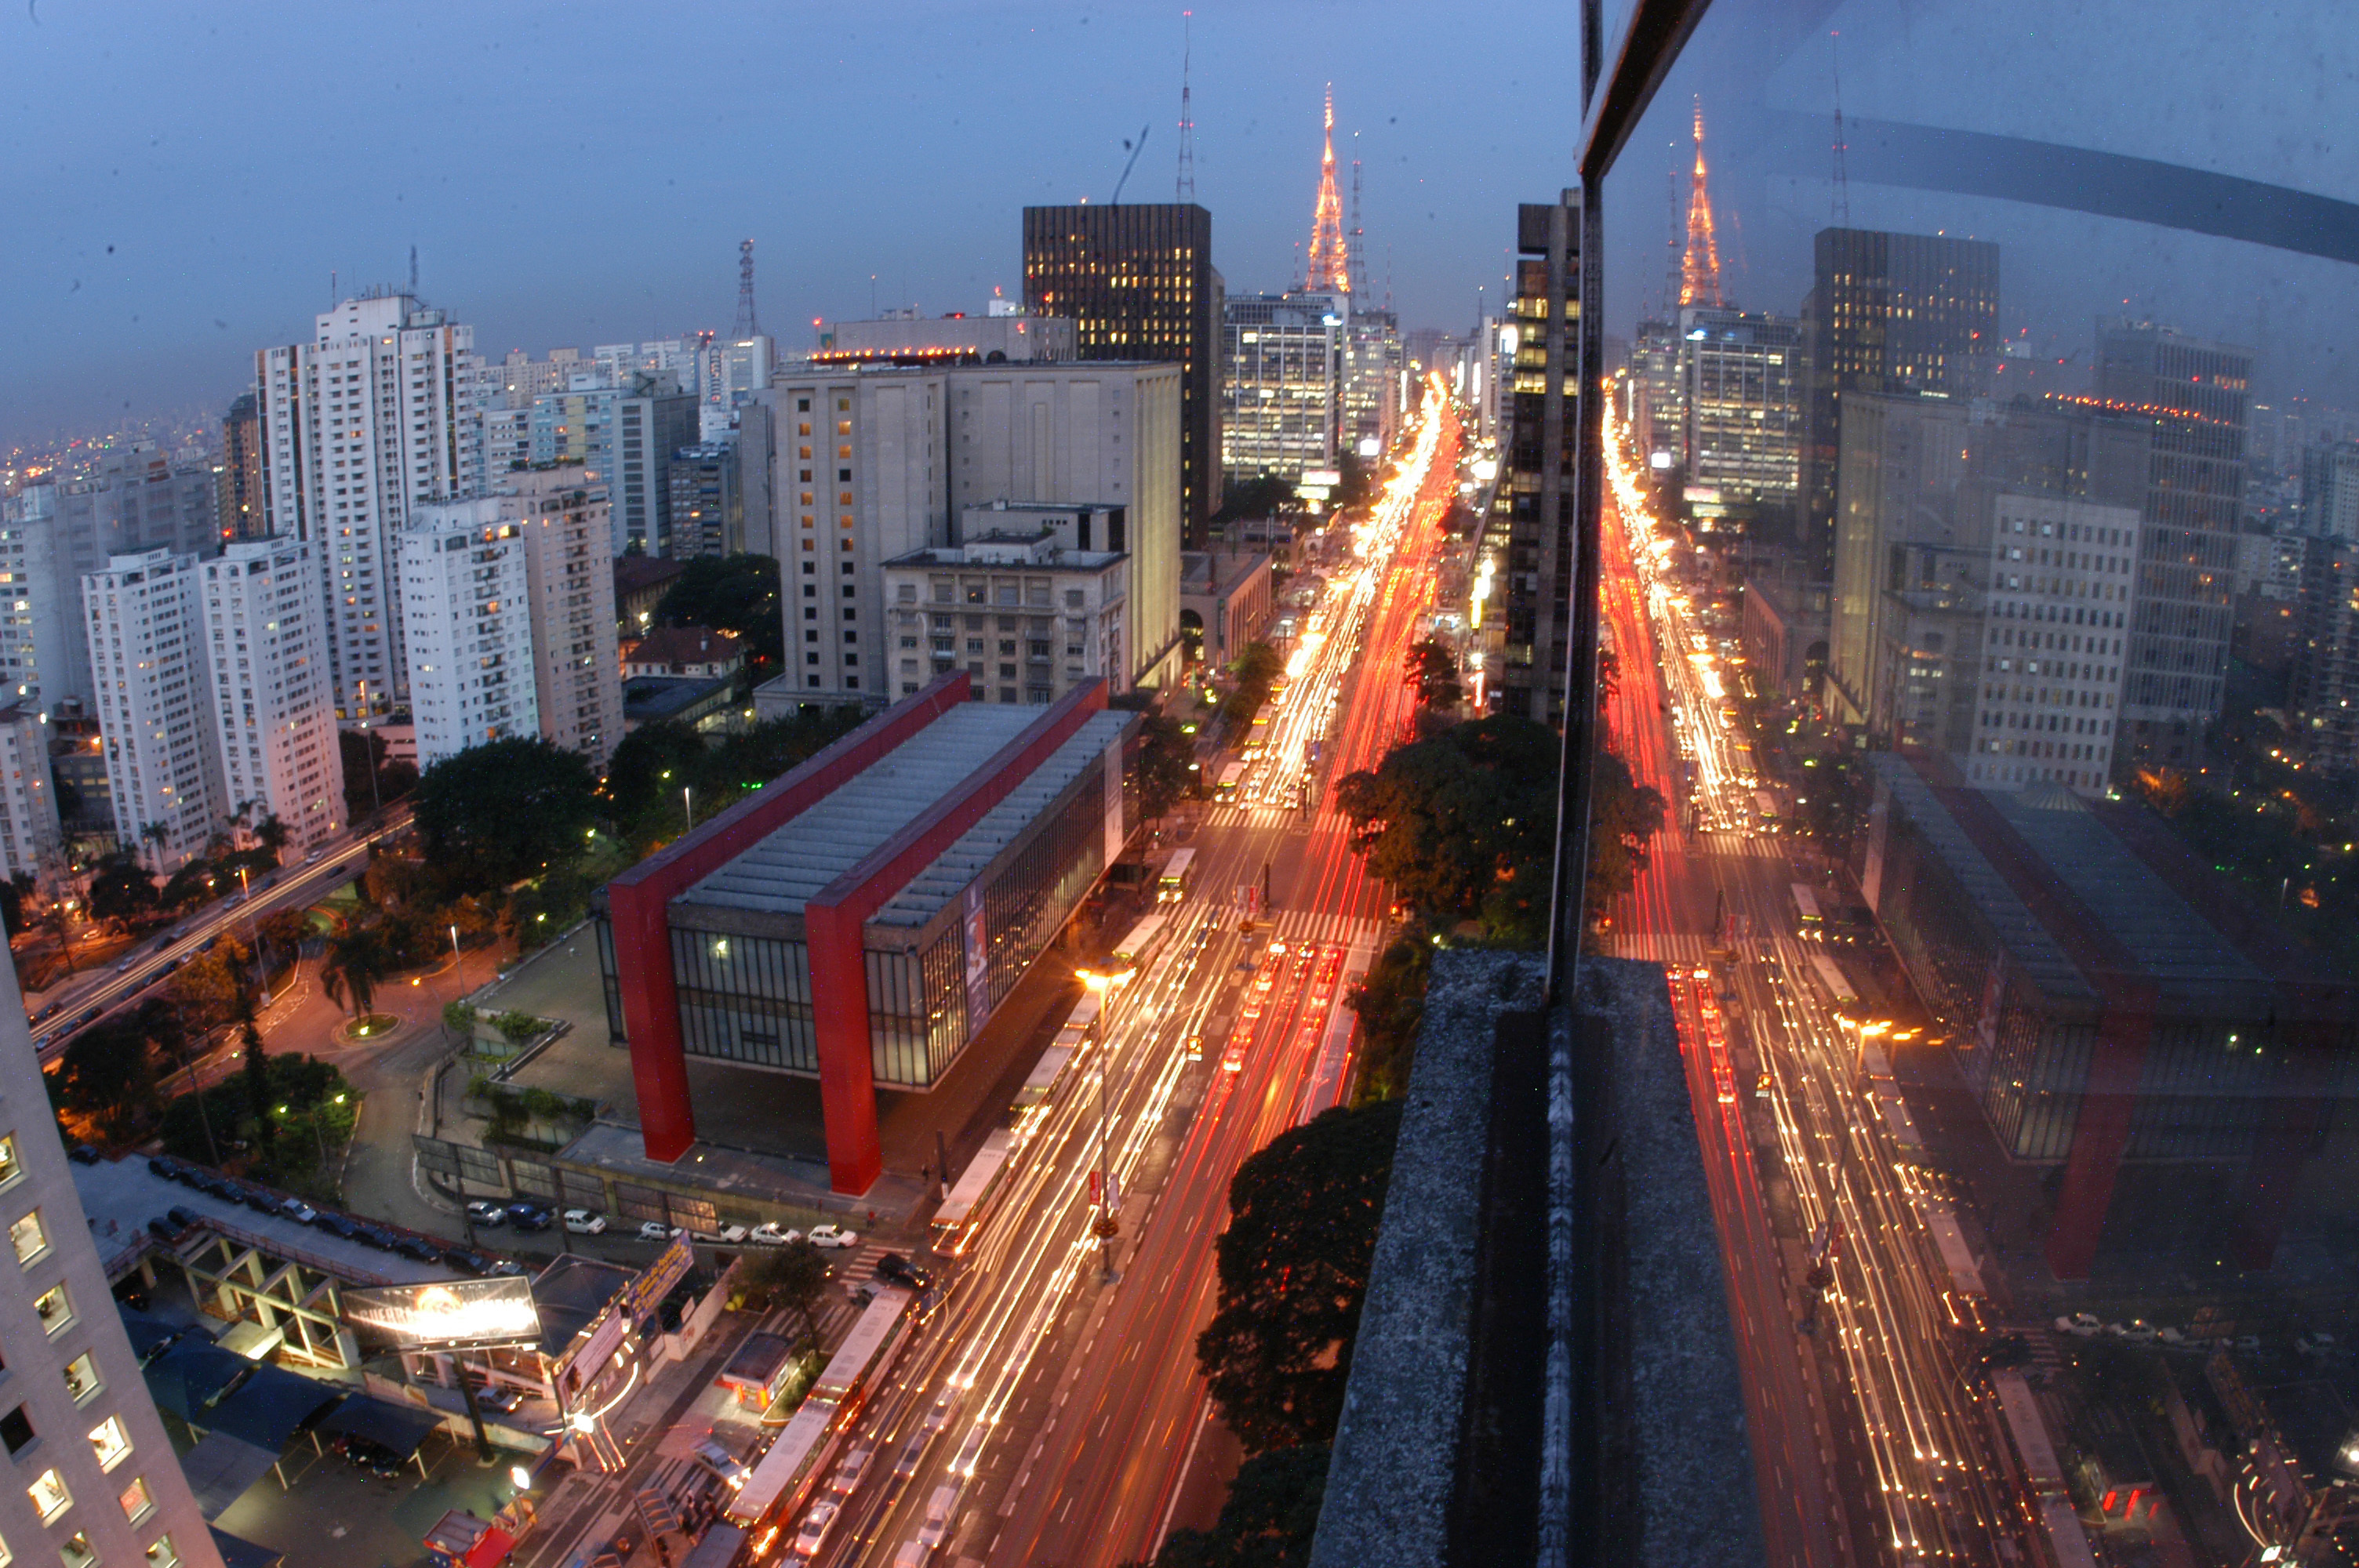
(1765, 809)
(1174, 884)
(1832, 978)
(787, 1474)
(1145, 939)
(1232, 778)
(1808, 924)
(977, 1189)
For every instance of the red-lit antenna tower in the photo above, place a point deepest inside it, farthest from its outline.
(1329, 264)
(748, 324)
(1699, 275)
(1187, 191)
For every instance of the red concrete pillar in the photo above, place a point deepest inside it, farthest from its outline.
(651, 1015)
(2101, 1132)
(847, 1069)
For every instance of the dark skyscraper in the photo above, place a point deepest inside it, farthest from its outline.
(237, 486)
(1888, 314)
(2197, 393)
(1531, 519)
(1137, 284)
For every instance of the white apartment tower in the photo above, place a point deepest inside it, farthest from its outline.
(467, 624)
(31, 840)
(378, 415)
(154, 713)
(569, 573)
(90, 1480)
(267, 642)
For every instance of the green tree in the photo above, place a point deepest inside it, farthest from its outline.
(271, 835)
(1256, 671)
(106, 1076)
(254, 1073)
(1167, 763)
(793, 1278)
(123, 889)
(1268, 1519)
(14, 892)
(359, 958)
(212, 988)
(1623, 815)
(731, 593)
(1390, 1003)
(1432, 674)
(753, 757)
(192, 885)
(649, 769)
(1450, 820)
(495, 814)
(1293, 1264)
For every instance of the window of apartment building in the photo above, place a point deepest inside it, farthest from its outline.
(77, 1551)
(55, 1308)
(49, 1496)
(29, 1238)
(15, 1430)
(82, 1376)
(110, 1442)
(137, 1502)
(11, 1169)
(162, 1555)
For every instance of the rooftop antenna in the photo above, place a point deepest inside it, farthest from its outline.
(1353, 254)
(413, 272)
(1700, 280)
(1329, 264)
(1187, 191)
(1842, 174)
(748, 324)
(1675, 264)
(1136, 147)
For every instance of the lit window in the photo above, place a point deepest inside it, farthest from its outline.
(161, 1555)
(30, 1239)
(10, 1167)
(108, 1440)
(78, 1551)
(136, 1503)
(82, 1376)
(49, 1496)
(55, 1309)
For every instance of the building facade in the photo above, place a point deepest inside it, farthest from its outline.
(1528, 537)
(466, 596)
(154, 704)
(1137, 283)
(577, 681)
(90, 1477)
(376, 414)
(909, 338)
(1740, 409)
(1026, 616)
(1227, 592)
(238, 471)
(707, 507)
(32, 840)
(1282, 366)
(273, 695)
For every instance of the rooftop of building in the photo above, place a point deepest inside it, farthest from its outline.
(1218, 571)
(570, 1292)
(2077, 891)
(682, 645)
(783, 872)
(638, 574)
(646, 697)
(1033, 551)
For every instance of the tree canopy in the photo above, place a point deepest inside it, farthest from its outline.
(498, 813)
(1268, 1519)
(1448, 822)
(123, 889)
(738, 594)
(1432, 674)
(1303, 1213)
(1166, 759)
(793, 1278)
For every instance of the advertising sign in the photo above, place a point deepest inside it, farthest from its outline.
(497, 1311)
(643, 1294)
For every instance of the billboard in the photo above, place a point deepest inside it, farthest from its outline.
(446, 1313)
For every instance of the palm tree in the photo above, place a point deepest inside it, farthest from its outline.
(157, 833)
(272, 834)
(358, 957)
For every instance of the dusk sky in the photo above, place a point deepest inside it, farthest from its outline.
(184, 181)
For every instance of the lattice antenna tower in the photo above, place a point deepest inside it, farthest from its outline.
(1187, 191)
(1674, 261)
(1359, 251)
(1330, 263)
(1842, 173)
(748, 325)
(1700, 278)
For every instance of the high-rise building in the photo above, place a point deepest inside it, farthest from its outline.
(1137, 283)
(376, 416)
(32, 840)
(1529, 538)
(1740, 406)
(1374, 364)
(1027, 614)
(146, 624)
(90, 1476)
(1888, 314)
(1282, 364)
(906, 338)
(237, 473)
(707, 505)
(651, 422)
(266, 637)
(2195, 394)
(510, 604)
(2324, 693)
(1658, 424)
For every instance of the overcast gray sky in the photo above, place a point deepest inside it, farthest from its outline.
(183, 180)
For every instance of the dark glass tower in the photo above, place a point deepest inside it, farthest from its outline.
(1137, 284)
(1532, 515)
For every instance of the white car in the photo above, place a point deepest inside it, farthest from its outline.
(299, 1211)
(816, 1524)
(832, 1236)
(656, 1230)
(848, 1472)
(728, 1235)
(770, 1233)
(940, 1508)
(585, 1222)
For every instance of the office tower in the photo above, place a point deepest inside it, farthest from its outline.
(1026, 615)
(237, 473)
(2324, 689)
(1888, 314)
(506, 442)
(1281, 384)
(2195, 394)
(1374, 362)
(515, 381)
(376, 416)
(904, 338)
(155, 709)
(707, 504)
(1740, 408)
(728, 375)
(90, 1477)
(1138, 282)
(618, 364)
(1656, 423)
(32, 840)
(1098, 434)
(577, 680)
(2330, 490)
(510, 604)
(1528, 539)
(654, 420)
(465, 600)
(266, 641)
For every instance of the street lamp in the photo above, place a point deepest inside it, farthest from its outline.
(687, 805)
(1106, 983)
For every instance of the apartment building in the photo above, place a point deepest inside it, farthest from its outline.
(267, 642)
(148, 635)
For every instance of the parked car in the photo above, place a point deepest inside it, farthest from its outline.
(466, 1262)
(724, 1463)
(507, 1265)
(585, 1222)
(336, 1224)
(656, 1230)
(892, 1266)
(418, 1247)
(529, 1216)
(163, 1229)
(183, 1217)
(164, 1165)
(83, 1155)
(504, 1400)
(832, 1236)
(259, 1201)
(298, 1210)
(486, 1215)
(769, 1233)
(377, 1235)
(727, 1235)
